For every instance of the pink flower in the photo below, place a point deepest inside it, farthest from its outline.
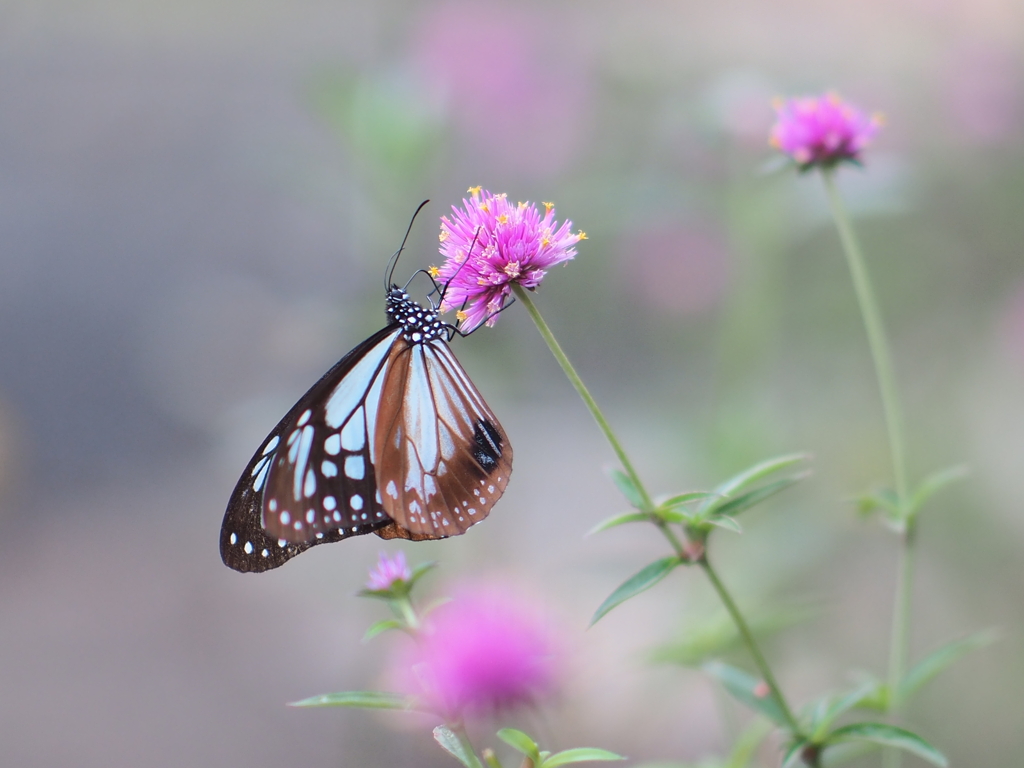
(388, 571)
(489, 244)
(822, 131)
(484, 651)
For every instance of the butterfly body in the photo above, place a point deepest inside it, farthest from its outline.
(394, 439)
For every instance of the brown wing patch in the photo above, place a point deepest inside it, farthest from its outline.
(442, 458)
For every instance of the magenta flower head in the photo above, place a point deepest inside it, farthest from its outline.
(483, 652)
(490, 244)
(822, 131)
(388, 572)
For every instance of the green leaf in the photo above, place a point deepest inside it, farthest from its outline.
(381, 626)
(831, 707)
(717, 635)
(634, 585)
(420, 571)
(726, 522)
(628, 488)
(885, 500)
(889, 736)
(521, 742)
(611, 522)
(451, 744)
(358, 699)
(756, 496)
(933, 484)
(939, 659)
(747, 688)
(579, 755)
(758, 472)
(793, 754)
(686, 498)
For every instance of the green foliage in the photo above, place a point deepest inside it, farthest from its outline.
(642, 580)
(747, 689)
(527, 746)
(380, 627)
(359, 700)
(717, 635)
(887, 735)
(628, 488)
(932, 664)
(454, 746)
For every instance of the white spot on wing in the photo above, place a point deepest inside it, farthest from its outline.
(248, 547)
(330, 503)
(328, 468)
(332, 444)
(234, 539)
(309, 487)
(271, 445)
(304, 418)
(353, 435)
(301, 448)
(356, 502)
(354, 467)
(391, 490)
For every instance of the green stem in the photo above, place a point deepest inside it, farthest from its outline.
(678, 546)
(748, 638)
(876, 335)
(581, 388)
(877, 340)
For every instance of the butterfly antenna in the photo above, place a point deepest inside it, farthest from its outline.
(393, 261)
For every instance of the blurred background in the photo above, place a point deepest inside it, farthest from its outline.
(197, 201)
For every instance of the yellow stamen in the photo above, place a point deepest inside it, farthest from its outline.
(582, 235)
(503, 219)
(548, 207)
(433, 271)
(461, 316)
(485, 208)
(474, 191)
(544, 242)
(443, 235)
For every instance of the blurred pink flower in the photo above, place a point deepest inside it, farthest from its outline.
(504, 72)
(680, 271)
(388, 571)
(509, 244)
(822, 131)
(482, 652)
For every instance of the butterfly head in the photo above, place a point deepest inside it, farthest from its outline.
(419, 324)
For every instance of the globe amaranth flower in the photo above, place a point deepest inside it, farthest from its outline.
(822, 131)
(490, 244)
(388, 571)
(483, 652)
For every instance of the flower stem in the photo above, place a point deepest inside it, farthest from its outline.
(677, 545)
(748, 638)
(876, 335)
(877, 340)
(581, 388)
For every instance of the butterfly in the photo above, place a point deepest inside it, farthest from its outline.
(394, 439)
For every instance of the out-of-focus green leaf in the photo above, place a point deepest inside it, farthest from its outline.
(450, 743)
(358, 699)
(793, 754)
(611, 522)
(884, 500)
(381, 626)
(932, 664)
(521, 742)
(747, 743)
(759, 472)
(627, 488)
(579, 755)
(889, 736)
(934, 483)
(831, 707)
(420, 571)
(726, 522)
(747, 689)
(754, 497)
(687, 498)
(717, 635)
(644, 579)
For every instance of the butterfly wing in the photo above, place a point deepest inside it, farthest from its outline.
(441, 457)
(312, 480)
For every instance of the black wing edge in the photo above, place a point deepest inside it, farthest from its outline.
(244, 516)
